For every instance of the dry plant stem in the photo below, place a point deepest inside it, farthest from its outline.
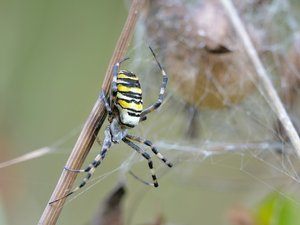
(92, 125)
(271, 94)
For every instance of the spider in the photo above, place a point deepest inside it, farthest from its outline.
(125, 111)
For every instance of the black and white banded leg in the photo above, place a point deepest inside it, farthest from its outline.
(153, 148)
(106, 103)
(146, 156)
(90, 169)
(161, 92)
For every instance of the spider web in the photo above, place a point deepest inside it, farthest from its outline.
(237, 155)
(239, 150)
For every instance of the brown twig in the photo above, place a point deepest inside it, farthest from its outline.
(92, 125)
(270, 95)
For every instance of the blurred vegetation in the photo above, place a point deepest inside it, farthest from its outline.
(53, 55)
(278, 209)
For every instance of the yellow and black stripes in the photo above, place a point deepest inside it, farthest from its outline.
(129, 98)
(114, 89)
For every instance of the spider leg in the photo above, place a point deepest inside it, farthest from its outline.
(90, 169)
(107, 106)
(143, 118)
(153, 148)
(146, 156)
(114, 88)
(162, 89)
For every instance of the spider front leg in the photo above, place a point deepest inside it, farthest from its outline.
(161, 92)
(90, 169)
(146, 156)
(107, 106)
(153, 148)
(114, 88)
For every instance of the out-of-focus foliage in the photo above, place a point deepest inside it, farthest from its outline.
(53, 55)
(278, 209)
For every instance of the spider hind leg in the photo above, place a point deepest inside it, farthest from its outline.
(152, 147)
(146, 156)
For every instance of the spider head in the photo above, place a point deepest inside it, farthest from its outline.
(117, 131)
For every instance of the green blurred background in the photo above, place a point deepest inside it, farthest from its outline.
(53, 55)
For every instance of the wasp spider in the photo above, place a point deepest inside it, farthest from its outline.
(125, 111)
